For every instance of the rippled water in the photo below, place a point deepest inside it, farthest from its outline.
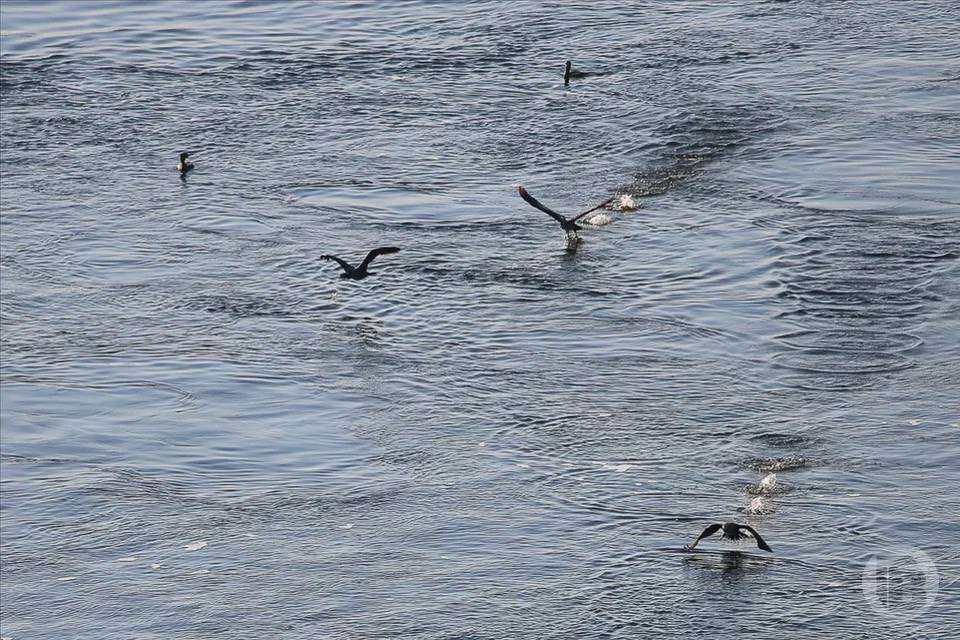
(207, 434)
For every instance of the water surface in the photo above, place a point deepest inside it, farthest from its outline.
(207, 434)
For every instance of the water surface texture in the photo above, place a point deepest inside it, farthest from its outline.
(207, 434)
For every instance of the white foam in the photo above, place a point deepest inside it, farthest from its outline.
(768, 484)
(757, 505)
(626, 203)
(598, 219)
(195, 546)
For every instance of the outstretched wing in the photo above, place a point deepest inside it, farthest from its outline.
(753, 532)
(346, 267)
(599, 206)
(533, 202)
(373, 254)
(709, 531)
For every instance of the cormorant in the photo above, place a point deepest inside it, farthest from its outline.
(732, 531)
(184, 165)
(567, 224)
(570, 72)
(360, 272)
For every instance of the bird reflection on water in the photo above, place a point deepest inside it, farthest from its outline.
(728, 562)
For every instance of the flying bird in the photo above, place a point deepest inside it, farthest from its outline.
(732, 531)
(360, 272)
(184, 165)
(567, 224)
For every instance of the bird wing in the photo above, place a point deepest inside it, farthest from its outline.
(753, 532)
(599, 206)
(709, 531)
(373, 254)
(533, 202)
(346, 267)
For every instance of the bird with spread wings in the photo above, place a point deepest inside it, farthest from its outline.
(732, 531)
(567, 224)
(360, 271)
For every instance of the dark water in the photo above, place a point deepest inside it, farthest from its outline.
(206, 434)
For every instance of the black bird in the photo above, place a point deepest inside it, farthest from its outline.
(184, 165)
(570, 72)
(732, 531)
(567, 224)
(360, 272)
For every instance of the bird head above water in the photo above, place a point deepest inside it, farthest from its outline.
(184, 165)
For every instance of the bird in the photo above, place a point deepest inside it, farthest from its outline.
(570, 72)
(184, 165)
(360, 272)
(731, 531)
(567, 224)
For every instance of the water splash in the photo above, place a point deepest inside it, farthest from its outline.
(625, 203)
(599, 219)
(766, 486)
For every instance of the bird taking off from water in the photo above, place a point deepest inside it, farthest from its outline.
(184, 165)
(360, 272)
(567, 224)
(731, 531)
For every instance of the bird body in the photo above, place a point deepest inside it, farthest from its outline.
(570, 72)
(732, 531)
(567, 224)
(360, 271)
(184, 165)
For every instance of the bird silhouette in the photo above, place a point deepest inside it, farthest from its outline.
(570, 72)
(567, 224)
(732, 531)
(184, 165)
(359, 272)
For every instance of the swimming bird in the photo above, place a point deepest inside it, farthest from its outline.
(567, 224)
(360, 272)
(184, 165)
(570, 72)
(732, 531)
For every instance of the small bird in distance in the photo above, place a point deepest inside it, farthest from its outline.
(570, 72)
(731, 531)
(359, 272)
(184, 165)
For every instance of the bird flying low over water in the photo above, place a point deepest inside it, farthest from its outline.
(732, 531)
(184, 165)
(360, 272)
(567, 224)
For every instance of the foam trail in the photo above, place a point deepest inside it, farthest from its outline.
(599, 219)
(757, 506)
(768, 484)
(625, 203)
